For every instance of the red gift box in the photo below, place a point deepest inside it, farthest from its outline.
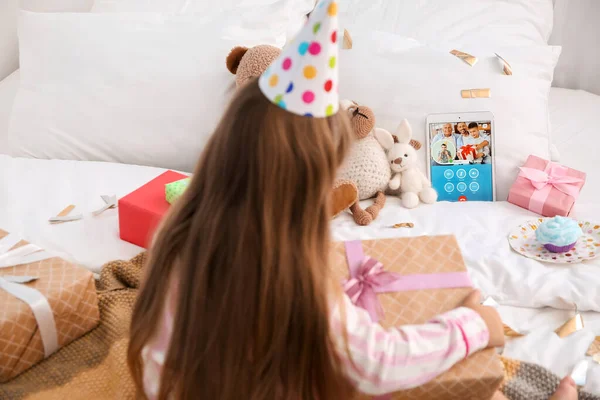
(141, 211)
(546, 188)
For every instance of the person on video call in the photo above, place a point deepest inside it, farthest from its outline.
(444, 155)
(462, 131)
(446, 134)
(480, 142)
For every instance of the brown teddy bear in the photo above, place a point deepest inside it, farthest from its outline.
(247, 63)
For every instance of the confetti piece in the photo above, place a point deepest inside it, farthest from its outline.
(506, 66)
(466, 57)
(594, 347)
(109, 202)
(571, 326)
(347, 42)
(64, 216)
(510, 332)
(66, 211)
(476, 93)
(403, 225)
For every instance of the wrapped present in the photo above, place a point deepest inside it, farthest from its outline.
(546, 188)
(467, 152)
(432, 280)
(45, 303)
(174, 190)
(141, 211)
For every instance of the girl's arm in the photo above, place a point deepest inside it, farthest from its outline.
(385, 361)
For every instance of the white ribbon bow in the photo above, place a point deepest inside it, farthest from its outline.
(15, 285)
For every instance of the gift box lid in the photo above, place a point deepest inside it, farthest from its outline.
(151, 196)
(141, 211)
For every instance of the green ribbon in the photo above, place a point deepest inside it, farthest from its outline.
(174, 190)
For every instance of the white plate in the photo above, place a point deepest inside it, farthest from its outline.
(522, 239)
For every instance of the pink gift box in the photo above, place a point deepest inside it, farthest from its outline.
(546, 188)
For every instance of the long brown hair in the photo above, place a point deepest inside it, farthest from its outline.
(248, 245)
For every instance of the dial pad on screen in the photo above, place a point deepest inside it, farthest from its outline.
(463, 182)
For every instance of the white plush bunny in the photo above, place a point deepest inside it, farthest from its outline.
(406, 176)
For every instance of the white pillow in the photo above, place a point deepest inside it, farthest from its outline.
(293, 11)
(401, 78)
(134, 88)
(505, 22)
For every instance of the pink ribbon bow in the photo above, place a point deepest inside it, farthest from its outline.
(553, 176)
(370, 280)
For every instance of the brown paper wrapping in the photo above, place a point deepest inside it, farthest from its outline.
(71, 292)
(477, 377)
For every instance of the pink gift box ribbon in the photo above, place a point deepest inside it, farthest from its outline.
(553, 176)
(368, 278)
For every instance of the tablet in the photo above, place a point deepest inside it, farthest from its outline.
(460, 153)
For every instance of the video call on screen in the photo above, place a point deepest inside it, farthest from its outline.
(461, 160)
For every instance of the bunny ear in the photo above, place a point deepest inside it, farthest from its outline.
(404, 132)
(415, 144)
(385, 138)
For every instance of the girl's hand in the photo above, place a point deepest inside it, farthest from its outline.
(489, 315)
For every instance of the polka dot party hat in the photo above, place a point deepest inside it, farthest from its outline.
(304, 79)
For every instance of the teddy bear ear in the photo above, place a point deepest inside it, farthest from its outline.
(415, 144)
(235, 57)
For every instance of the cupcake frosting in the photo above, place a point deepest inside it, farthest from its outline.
(559, 231)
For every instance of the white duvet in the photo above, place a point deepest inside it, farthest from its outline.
(35, 190)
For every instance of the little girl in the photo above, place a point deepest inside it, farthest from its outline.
(238, 301)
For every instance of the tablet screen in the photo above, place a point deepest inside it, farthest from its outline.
(461, 156)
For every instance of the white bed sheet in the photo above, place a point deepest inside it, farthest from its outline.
(34, 190)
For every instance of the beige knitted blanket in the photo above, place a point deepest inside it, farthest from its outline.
(94, 366)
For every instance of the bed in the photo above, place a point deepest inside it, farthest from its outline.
(34, 190)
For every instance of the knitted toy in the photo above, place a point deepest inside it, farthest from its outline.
(247, 63)
(402, 158)
(365, 173)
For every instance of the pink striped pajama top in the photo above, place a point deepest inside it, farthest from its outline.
(384, 361)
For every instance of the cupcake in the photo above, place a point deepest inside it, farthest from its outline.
(558, 234)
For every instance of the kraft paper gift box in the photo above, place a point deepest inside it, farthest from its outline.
(546, 188)
(141, 211)
(426, 261)
(45, 303)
